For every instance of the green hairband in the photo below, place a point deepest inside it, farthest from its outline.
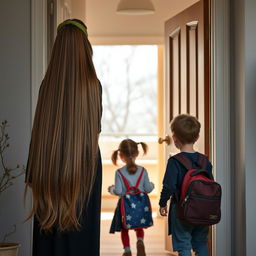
(74, 23)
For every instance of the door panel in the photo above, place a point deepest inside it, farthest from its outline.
(175, 75)
(187, 59)
(187, 87)
(192, 68)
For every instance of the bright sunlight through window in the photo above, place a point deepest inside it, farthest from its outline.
(128, 75)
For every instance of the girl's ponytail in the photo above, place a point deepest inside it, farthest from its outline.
(144, 147)
(114, 157)
(129, 150)
(131, 166)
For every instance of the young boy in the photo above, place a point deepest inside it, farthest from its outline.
(185, 130)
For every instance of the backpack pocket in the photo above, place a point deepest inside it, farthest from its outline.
(201, 205)
(136, 210)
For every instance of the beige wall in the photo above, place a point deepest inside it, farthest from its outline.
(67, 9)
(78, 9)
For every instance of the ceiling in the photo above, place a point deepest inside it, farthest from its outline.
(105, 26)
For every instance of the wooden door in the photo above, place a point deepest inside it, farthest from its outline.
(187, 90)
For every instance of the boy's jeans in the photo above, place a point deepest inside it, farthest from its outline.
(186, 237)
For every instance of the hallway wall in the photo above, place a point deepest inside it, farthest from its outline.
(243, 81)
(250, 124)
(15, 106)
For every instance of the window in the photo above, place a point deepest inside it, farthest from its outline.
(128, 75)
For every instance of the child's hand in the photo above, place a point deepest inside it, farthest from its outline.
(163, 211)
(111, 189)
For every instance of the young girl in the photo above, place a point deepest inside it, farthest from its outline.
(128, 152)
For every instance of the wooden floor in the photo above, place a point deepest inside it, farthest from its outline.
(154, 240)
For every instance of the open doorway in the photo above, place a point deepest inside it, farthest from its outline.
(128, 74)
(117, 37)
(132, 105)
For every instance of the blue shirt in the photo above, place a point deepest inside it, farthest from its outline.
(145, 185)
(174, 176)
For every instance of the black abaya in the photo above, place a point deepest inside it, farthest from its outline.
(84, 242)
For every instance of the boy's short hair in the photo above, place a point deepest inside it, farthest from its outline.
(186, 128)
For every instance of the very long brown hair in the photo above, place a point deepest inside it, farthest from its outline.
(64, 143)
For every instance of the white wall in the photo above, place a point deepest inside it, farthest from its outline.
(15, 106)
(243, 74)
(221, 122)
(238, 124)
(250, 124)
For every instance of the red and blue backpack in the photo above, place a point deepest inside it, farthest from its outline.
(200, 198)
(135, 206)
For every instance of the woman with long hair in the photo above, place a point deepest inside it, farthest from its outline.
(64, 165)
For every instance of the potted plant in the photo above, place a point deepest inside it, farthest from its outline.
(7, 176)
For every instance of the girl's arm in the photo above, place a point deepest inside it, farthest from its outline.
(118, 190)
(148, 186)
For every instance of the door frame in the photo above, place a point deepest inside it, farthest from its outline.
(220, 91)
(38, 48)
(38, 63)
(220, 116)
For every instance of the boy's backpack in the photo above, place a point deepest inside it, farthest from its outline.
(200, 198)
(135, 206)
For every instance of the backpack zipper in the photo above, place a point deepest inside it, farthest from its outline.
(206, 197)
(203, 181)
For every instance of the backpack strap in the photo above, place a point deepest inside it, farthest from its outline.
(139, 179)
(184, 161)
(124, 180)
(203, 161)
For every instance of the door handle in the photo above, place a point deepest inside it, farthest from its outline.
(167, 140)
